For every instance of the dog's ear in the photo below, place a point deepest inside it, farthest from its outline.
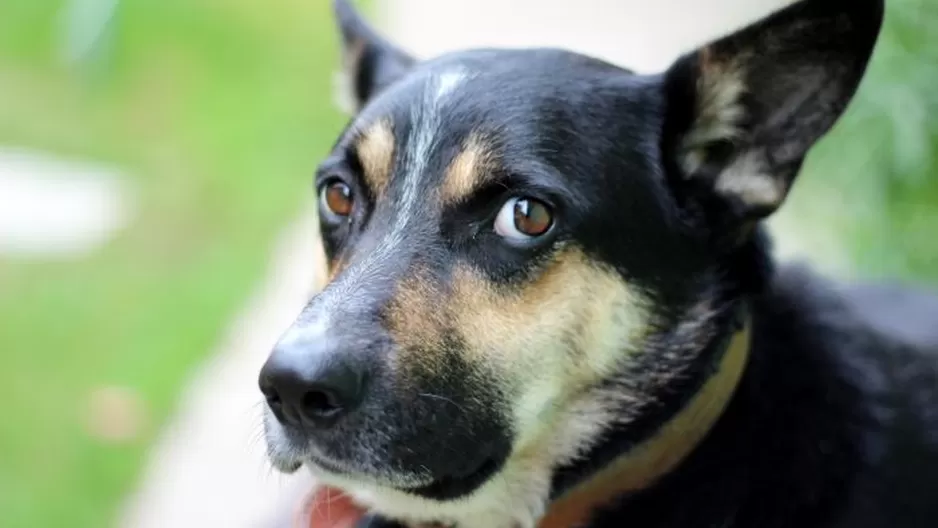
(370, 63)
(744, 111)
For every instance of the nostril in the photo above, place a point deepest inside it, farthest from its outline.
(274, 402)
(267, 387)
(320, 403)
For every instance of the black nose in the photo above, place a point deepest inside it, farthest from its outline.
(311, 383)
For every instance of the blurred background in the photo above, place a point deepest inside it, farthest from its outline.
(156, 227)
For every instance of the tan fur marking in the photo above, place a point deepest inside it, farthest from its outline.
(468, 170)
(416, 322)
(747, 178)
(550, 338)
(720, 88)
(569, 303)
(657, 456)
(321, 275)
(375, 148)
(335, 267)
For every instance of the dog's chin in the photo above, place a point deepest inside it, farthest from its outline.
(506, 498)
(288, 454)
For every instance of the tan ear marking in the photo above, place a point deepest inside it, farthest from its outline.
(747, 178)
(719, 110)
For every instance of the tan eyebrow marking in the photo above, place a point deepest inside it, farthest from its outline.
(375, 148)
(470, 169)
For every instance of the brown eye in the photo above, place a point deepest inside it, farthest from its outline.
(523, 218)
(336, 197)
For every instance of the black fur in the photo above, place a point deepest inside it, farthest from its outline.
(834, 424)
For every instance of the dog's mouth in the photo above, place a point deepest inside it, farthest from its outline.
(439, 488)
(444, 488)
(453, 487)
(425, 471)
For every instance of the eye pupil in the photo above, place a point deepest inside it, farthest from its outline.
(523, 218)
(337, 198)
(532, 218)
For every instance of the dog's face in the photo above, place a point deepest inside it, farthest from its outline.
(529, 247)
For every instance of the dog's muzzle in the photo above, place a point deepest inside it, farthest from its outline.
(343, 402)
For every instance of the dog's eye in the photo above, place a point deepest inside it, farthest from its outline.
(336, 197)
(523, 218)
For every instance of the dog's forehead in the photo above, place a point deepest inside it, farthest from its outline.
(406, 140)
(454, 116)
(489, 87)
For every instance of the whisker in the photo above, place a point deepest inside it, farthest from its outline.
(444, 398)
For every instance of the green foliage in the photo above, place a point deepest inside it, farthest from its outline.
(219, 111)
(873, 182)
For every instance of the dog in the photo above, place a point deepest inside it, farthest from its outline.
(551, 297)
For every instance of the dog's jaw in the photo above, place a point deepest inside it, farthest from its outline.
(497, 505)
(520, 495)
(517, 497)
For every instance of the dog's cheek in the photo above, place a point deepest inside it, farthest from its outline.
(551, 338)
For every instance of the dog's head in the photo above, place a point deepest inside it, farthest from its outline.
(529, 249)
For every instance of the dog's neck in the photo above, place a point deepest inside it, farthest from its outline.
(656, 456)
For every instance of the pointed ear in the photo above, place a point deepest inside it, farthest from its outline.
(369, 62)
(744, 111)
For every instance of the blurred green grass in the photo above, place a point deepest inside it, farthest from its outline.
(218, 110)
(870, 188)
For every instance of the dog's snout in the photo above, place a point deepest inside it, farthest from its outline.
(311, 382)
